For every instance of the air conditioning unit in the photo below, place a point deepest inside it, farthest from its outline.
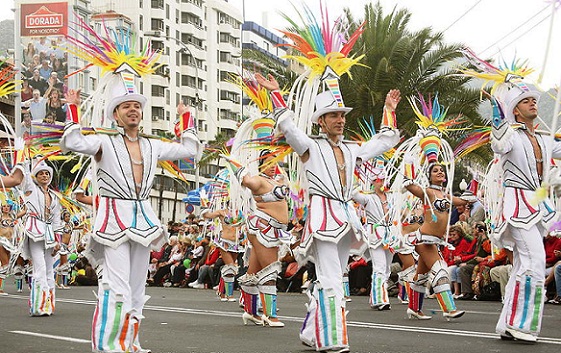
(155, 118)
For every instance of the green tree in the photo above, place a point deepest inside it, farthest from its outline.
(413, 62)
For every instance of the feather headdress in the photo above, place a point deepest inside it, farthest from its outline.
(499, 75)
(7, 82)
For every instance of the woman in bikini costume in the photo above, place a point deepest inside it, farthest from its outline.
(229, 240)
(267, 232)
(431, 267)
(8, 244)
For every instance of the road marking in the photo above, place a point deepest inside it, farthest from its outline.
(359, 324)
(43, 335)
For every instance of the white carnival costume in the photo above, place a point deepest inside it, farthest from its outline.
(525, 212)
(411, 165)
(380, 216)
(254, 142)
(332, 225)
(40, 227)
(126, 226)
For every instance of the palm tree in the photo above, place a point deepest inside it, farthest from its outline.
(414, 62)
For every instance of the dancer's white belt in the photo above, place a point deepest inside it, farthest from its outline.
(269, 219)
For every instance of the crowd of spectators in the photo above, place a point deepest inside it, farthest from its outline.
(44, 83)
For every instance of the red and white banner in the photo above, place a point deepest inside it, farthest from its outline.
(44, 19)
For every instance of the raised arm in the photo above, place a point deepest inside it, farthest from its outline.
(186, 131)
(72, 138)
(502, 134)
(295, 137)
(388, 136)
(13, 179)
(212, 214)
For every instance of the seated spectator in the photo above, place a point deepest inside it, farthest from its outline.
(476, 256)
(360, 275)
(552, 245)
(164, 258)
(455, 258)
(205, 270)
(176, 260)
(557, 278)
(86, 275)
(481, 277)
(501, 273)
(164, 267)
(198, 258)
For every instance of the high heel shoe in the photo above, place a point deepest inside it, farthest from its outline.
(269, 322)
(417, 314)
(453, 314)
(246, 317)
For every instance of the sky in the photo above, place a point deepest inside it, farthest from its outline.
(492, 28)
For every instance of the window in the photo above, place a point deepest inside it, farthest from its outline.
(158, 91)
(157, 24)
(229, 96)
(188, 100)
(189, 81)
(157, 113)
(158, 4)
(156, 45)
(187, 17)
(140, 23)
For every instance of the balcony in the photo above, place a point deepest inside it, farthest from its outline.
(191, 70)
(228, 124)
(227, 28)
(158, 101)
(230, 66)
(229, 105)
(192, 8)
(193, 28)
(157, 13)
(160, 124)
(227, 46)
(229, 86)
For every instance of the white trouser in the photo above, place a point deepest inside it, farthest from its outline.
(125, 271)
(43, 271)
(524, 290)
(381, 261)
(121, 298)
(331, 261)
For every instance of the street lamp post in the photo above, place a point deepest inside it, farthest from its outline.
(184, 47)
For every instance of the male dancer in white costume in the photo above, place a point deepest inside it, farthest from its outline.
(333, 226)
(524, 156)
(380, 232)
(125, 226)
(43, 220)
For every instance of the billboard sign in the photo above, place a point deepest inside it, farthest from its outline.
(44, 19)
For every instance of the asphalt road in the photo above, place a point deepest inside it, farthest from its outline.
(190, 320)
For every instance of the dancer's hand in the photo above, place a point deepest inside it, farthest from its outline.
(271, 83)
(73, 97)
(182, 108)
(392, 99)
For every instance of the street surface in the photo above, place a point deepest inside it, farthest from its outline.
(181, 320)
